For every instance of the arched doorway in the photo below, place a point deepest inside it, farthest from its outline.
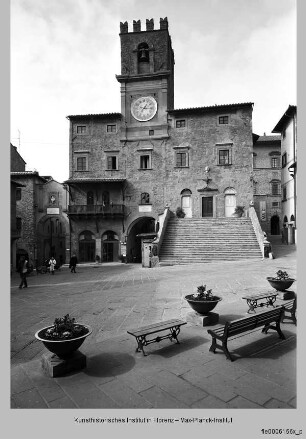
(110, 246)
(87, 246)
(229, 201)
(274, 225)
(139, 226)
(186, 202)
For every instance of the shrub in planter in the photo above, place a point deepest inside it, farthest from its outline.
(281, 281)
(239, 210)
(180, 212)
(203, 301)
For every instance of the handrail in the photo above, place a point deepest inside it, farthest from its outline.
(261, 238)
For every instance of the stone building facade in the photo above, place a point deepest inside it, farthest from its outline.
(287, 127)
(126, 167)
(267, 182)
(39, 221)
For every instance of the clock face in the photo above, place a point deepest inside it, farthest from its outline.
(144, 108)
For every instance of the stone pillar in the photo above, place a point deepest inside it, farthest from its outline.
(98, 248)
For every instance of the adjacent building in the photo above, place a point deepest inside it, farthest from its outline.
(267, 182)
(126, 167)
(39, 222)
(287, 127)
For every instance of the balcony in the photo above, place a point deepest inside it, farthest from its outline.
(108, 210)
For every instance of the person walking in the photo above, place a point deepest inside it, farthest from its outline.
(23, 271)
(52, 264)
(73, 262)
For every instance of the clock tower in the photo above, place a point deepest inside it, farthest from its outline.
(147, 80)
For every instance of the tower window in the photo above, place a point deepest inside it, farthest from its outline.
(275, 162)
(145, 162)
(81, 129)
(275, 188)
(18, 194)
(112, 162)
(224, 157)
(111, 128)
(223, 120)
(81, 164)
(181, 159)
(180, 123)
(284, 159)
(145, 198)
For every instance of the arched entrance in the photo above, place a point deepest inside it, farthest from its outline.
(110, 246)
(87, 246)
(275, 225)
(186, 202)
(229, 201)
(141, 225)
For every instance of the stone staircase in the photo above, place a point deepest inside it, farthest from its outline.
(199, 240)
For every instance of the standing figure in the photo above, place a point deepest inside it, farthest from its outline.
(23, 271)
(52, 264)
(73, 262)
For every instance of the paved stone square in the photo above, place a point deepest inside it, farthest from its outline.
(113, 298)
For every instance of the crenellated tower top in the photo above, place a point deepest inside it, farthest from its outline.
(163, 25)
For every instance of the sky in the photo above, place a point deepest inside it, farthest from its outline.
(65, 54)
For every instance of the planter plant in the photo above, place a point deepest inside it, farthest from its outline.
(180, 212)
(64, 337)
(203, 301)
(281, 282)
(239, 210)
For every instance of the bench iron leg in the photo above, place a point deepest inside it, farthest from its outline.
(141, 341)
(213, 345)
(225, 350)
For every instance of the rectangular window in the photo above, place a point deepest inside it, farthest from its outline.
(145, 162)
(18, 194)
(81, 164)
(112, 162)
(275, 204)
(224, 157)
(284, 194)
(223, 120)
(181, 159)
(18, 224)
(284, 160)
(111, 128)
(81, 129)
(180, 123)
(275, 189)
(151, 132)
(275, 162)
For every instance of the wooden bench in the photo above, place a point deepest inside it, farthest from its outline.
(173, 326)
(289, 307)
(239, 326)
(259, 300)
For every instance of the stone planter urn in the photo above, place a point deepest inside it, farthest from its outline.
(281, 282)
(203, 307)
(65, 348)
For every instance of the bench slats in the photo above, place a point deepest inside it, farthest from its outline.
(155, 327)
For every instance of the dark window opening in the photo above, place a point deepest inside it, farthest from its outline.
(145, 198)
(224, 157)
(81, 129)
(18, 194)
(181, 159)
(275, 162)
(111, 128)
(145, 162)
(223, 120)
(112, 162)
(151, 132)
(180, 123)
(81, 164)
(90, 198)
(284, 159)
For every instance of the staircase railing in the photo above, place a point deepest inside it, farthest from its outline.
(260, 235)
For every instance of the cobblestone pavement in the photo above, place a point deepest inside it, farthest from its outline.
(112, 298)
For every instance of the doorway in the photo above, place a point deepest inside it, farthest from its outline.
(207, 207)
(275, 225)
(110, 246)
(186, 203)
(229, 202)
(87, 247)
